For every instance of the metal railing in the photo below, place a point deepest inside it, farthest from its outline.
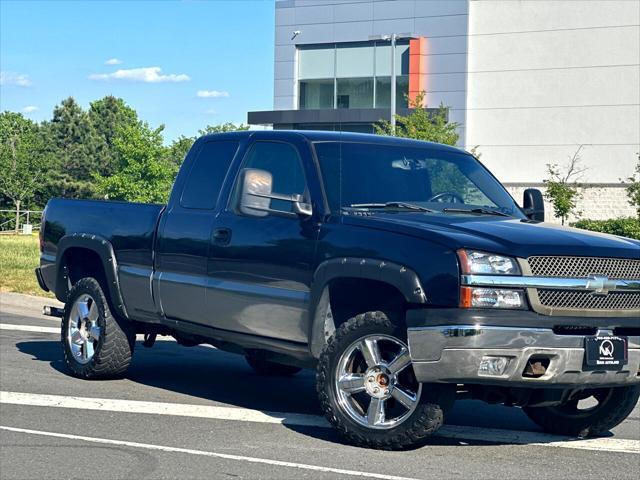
(28, 220)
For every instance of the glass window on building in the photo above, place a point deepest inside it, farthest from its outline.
(383, 91)
(351, 75)
(315, 94)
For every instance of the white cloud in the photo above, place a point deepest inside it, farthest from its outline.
(15, 79)
(30, 109)
(212, 94)
(113, 61)
(144, 74)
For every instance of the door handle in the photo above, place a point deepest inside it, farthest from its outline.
(222, 236)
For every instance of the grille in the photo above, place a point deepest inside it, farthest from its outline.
(582, 267)
(586, 300)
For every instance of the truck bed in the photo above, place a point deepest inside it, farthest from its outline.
(128, 227)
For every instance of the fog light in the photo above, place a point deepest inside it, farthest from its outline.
(493, 365)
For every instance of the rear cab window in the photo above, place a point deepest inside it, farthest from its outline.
(208, 171)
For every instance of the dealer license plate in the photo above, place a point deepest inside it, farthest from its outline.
(606, 353)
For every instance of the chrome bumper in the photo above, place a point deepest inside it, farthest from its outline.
(453, 354)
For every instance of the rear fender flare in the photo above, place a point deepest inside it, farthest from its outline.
(103, 248)
(405, 280)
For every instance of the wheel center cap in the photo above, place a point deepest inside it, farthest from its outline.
(378, 382)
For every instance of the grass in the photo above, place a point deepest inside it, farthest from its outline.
(19, 256)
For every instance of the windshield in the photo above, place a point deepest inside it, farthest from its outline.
(367, 175)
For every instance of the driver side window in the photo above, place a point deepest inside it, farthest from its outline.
(282, 161)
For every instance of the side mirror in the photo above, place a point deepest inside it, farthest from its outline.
(256, 186)
(533, 204)
(256, 196)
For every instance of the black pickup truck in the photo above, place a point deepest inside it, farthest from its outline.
(402, 271)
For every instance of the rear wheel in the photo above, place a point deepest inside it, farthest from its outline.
(367, 388)
(591, 413)
(96, 343)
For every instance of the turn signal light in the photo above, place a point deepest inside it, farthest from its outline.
(482, 297)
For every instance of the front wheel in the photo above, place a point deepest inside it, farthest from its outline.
(96, 343)
(368, 390)
(591, 413)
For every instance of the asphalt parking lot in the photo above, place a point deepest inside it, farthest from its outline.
(202, 413)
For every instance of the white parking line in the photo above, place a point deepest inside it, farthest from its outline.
(160, 408)
(248, 415)
(38, 329)
(240, 458)
(29, 328)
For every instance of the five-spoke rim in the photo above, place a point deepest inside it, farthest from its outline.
(374, 386)
(83, 330)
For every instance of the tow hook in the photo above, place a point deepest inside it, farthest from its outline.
(149, 339)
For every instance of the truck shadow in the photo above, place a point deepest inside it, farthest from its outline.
(221, 377)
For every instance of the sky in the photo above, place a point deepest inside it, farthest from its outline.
(185, 64)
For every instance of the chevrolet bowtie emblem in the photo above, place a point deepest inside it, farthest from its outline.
(600, 285)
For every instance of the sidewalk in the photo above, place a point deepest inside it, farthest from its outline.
(30, 302)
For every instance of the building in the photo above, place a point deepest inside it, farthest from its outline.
(529, 81)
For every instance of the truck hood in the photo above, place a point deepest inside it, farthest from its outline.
(508, 236)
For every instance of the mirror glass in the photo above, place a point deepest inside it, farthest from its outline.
(255, 183)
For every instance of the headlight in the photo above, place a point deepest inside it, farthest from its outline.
(479, 263)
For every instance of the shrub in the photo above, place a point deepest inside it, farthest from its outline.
(624, 227)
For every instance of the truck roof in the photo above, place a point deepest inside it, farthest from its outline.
(331, 136)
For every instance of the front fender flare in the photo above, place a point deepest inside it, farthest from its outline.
(405, 280)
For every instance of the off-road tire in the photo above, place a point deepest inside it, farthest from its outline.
(612, 411)
(268, 368)
(115, 346)
(413, 431)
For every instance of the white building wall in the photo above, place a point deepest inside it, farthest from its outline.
(547, 76)
(442, 22)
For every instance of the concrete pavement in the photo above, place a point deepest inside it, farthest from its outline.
(200, 412)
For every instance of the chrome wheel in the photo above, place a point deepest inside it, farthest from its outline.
(83, 331)
(375, 388)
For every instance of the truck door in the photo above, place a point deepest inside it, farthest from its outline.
(184, 233)
(261, 265)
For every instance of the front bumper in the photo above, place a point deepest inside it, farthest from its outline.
(453, 353)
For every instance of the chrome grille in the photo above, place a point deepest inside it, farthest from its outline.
(582, 267)
(569, 299)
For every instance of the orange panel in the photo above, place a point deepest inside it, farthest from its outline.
(417, 66)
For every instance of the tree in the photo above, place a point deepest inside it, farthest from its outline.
(108, 116)
(633, 190)
(179, 148)
(145, 173)
(222, 128)
(422, 124)
(562, 186)
(78, 149)
(20, 159)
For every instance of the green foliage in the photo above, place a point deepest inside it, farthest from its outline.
(21, 157)
(145, 173)
(633, 190)
(78, 149)
(422, 124)
(562, 187)
(179, 148)
(105, 151)
(624, 227)
(108, 116)
(222, 128)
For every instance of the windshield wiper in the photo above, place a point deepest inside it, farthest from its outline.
(481, 211)
(392, 205)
